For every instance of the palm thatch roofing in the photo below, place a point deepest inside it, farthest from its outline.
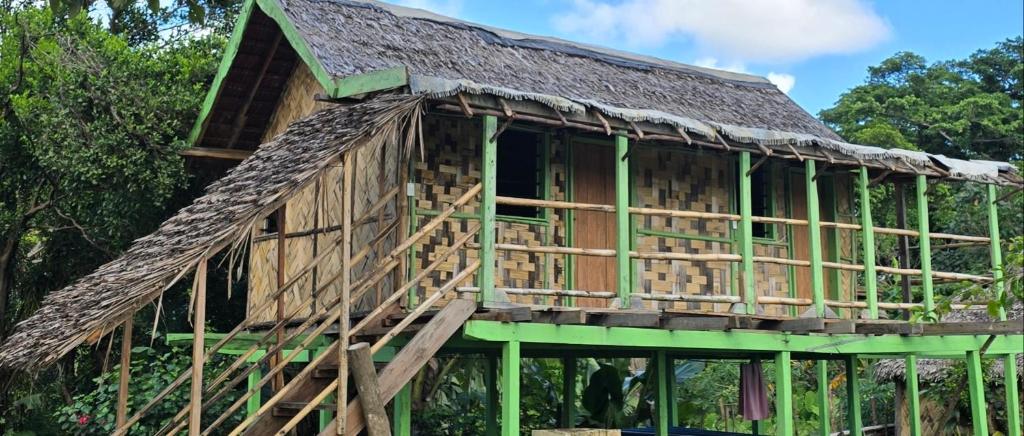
(936, 370)
(97, 303)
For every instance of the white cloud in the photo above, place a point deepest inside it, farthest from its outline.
(762, 30)
(451, 8)
(783, 81)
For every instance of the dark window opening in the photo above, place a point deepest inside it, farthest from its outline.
(270, 224)
(519, 171)
(760, 201)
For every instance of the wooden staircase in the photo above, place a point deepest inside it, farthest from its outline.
(302, 389)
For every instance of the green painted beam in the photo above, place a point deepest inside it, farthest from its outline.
(833, 275)
(824, 417)
(783, 394)
(252, 405)
(661, 402)
(1011, 385)
(746, 235)
(510, 388)
(568, 418)
(673, 403)
(868, 242)
(976, 387)
(913, 395)
(814, 239)
(995, 249)
(622, 233)
(853, 410)
(491, 386)
(401, 418)
(924, 242)
(736, 340)
(378, 80)
(488, 209)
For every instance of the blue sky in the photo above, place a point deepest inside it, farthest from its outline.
(813, 49)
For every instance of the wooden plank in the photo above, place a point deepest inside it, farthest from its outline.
(879, 327)
(410, 359)
(974, 328)
(126, 364)
(290, 408)
(512, 313)
(697, 323)
(840, 326)
(796, 325)
(198, 356)
(365, 377)
(623, 318)
(623, 243)
(348, 188)
(555, 316)
(594, 183)
(379, 80)
(216, 153)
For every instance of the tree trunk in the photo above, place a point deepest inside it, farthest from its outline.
(7, 262)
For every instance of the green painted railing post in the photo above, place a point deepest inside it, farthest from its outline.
(673, 408)
(491, 392)
(814, 240)
(824, 417)
(747, 236)
(510, 388)
(913, 395)
(976, 386)
(868, 240)
(401, 419)
(1009, 364)
(853, 412)
(488, 209)
(568, 418)
(252, 405)
(661, 404)
(924, 241)
(622, 260)
(783, 394)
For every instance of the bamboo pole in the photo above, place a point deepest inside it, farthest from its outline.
(198, 329)
(126, 364)
(552, 204)
(282, 248)
(348, 179)
(727, 299)
(365, 377)
(543, 292)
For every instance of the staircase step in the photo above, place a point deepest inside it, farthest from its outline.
(291, 408)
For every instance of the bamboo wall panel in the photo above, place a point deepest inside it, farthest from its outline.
(296, 101)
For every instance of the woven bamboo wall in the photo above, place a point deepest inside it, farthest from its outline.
(315, 215)
(451, 167)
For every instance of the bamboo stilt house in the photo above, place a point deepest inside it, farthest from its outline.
(429, 185)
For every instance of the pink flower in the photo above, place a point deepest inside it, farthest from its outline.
(83, 420)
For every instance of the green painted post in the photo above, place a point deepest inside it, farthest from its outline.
(976, 386)
(510, 388)
(252, 405)
(814, 240)
(783, 394)
(853, 412)
(824, 421)
(1012, 395)
(661, 403)
(401, 419)
(868, 240)
(747, 236)
(488, 209)
(568, 418)
(834, 276)
(491, 386)
(1013, 423)
(924, 241)
(673, 404)
(622, 260)
(913, 395)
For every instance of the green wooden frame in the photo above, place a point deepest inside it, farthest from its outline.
(623, 244)
(814, 239)
(824, 419)
(784, 394)
(510, 388)
(925, 244)
(488, 209)
(913, 396)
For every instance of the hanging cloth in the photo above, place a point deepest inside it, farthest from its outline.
(753, 395)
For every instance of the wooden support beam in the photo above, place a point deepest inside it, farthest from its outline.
(252, 405)
(747, 277)
(761, 161)
(492, 407)
(365, 377)
(924, 242)
(814, 239)
(974, 328)
(661, 401)
(348, 189)
(126, 365)
(913, 396)
(903, 242)
(853, 409)
(868, 243)
(243, 112)
(558, 316)
(488, 210)
(464, 105)
(623, 318)
(784, 393)
(976, 387)
(568, 416)
(1010, 384)
(995, 249)
(698, 323)
(282, 250)
(824, 391)
(885, 327)
(198, 355)
(623, 245)
(216, 153)
(510, 388)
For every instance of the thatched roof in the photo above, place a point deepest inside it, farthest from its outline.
(934, 370)
(95, 304)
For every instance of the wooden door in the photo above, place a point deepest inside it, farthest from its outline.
(594, 182)
(801, 239)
